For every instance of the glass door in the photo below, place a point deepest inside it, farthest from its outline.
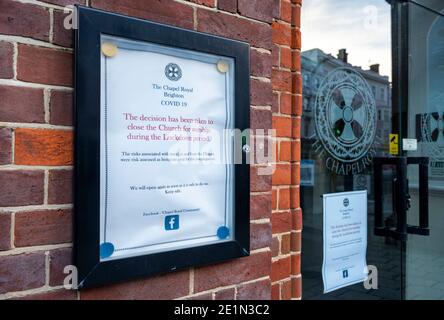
(353, 101)
(424, 255)
(346, 123)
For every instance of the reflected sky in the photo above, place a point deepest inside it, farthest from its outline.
(361, 26)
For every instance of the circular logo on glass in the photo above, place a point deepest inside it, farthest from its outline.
(173, 72)
(432, 132)
(345, 115)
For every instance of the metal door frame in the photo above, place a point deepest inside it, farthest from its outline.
(400, 86)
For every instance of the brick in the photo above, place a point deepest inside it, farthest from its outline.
(58, 260)
(296, 150)
(280, 269)
(275, 55)
(296, 287)
(275, 247)
(260, 290)
(281, 80)
(296, 39)
(170, 286)
(44, 65)
(259, 182)
(61, 108)
(297, 83)
(261, 63)
(227, 5)
(62, 36)
(257, 34)
(296, 128)
(285, 103)
(260, 119)
(286, 290)
(297, 219)
(260, 235)
(285, 243)
(21, 104)
(296, 61)
(263, 10)
(60, 186)
(5, 146)
(297, 105)
(275, 292)
(261, 93)
(61, 294)
(225, 294)
(6, 60)
(285, 151)
(284, 199)
(165, 11)
(260, 206)
(294, 197)
(283, 126)
(296, 16)
(5, 231)
(295, 241)
(274, 200)
(281, 222)
(286, 11)
(208, 3)
(23, 19)
(295, 174)
(44, 147)
(281, 33)
(282, 175)
(275, 104)
(22, 272)
(232, 272)
(286, 57)
(43, 227)
(21, 188)
(296, 264)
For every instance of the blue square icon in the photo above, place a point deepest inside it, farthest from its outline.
(172, 222)
(345, 273)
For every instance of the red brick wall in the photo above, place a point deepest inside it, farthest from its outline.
(286, 217)
(36, 155)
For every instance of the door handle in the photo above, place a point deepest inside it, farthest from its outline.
(402, 198)
(423, 227)
(399, 229)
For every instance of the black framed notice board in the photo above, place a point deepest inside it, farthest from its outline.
(157, 183)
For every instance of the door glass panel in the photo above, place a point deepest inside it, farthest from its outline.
(425, 254)
(346, 70)
(431, 4)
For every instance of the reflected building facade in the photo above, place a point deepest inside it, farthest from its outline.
(316, 65)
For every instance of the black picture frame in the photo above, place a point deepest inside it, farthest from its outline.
(91, 23)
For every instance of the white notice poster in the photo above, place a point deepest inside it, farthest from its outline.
(166, 163)
(345, 239)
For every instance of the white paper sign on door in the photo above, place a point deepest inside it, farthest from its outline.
(166, 165)
(345, 239)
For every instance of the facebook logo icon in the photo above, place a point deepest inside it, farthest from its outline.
(172, 222)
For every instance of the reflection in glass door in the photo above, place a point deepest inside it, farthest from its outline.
(425, 122)
(346, 122)
(348, 115)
